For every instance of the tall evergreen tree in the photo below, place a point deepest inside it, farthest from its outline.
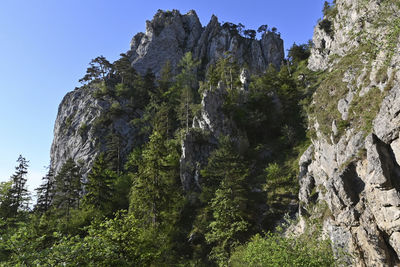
(187, 84)
(113, 155)
(166, 77)
(124, 69)
(226, 174)
(156, 183)
(45, 192)
(19, 192)
(68, 188)
(99, 184)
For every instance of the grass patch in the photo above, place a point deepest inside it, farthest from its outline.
(332, 88)
(363, 110)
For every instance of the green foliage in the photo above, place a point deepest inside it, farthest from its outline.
(298, 53)
(326, 25)
(226, 70)
(113, 154)
(363, 111)
(115, 108)
(127, 74)
(99, 190)
(83, 130)
(226, 174)
(276, 250)
(113, 242)
(45, 192)
(155, 192)
(247, 182)
(332, 88)
(186, 83)
(330, 10)
(99, 69)
(68, 188)
(15, 194)
(6, 207)
(122, 90)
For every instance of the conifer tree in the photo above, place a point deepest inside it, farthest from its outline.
(19, 192)
(165, 81)
(124, 69)
(68, 188)
(226, 174)
(99, 184)
(187, 83)
(99, 69)
(113, 155)
(156, 183)
(45, 192)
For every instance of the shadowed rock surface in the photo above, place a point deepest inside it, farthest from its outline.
(356, 172)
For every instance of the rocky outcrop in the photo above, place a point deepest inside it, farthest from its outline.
(85, 124)
(167, 38)
(344, 27)
(202, 138)
(170, 35)
(355, 171)
(361, 193)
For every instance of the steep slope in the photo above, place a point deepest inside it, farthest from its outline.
(352, 167)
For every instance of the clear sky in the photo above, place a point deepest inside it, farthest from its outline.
(45, 46)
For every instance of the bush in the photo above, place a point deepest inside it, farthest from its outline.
(326, 25)
(276, 250)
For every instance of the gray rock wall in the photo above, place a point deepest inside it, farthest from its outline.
(76, 135)
(170, 35)
(356, 173)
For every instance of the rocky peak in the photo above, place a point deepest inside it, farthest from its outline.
(170, 35)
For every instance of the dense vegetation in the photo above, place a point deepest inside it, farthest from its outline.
(134, 212)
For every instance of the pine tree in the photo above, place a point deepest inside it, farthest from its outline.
(165, 81)
(187, 84)
(68, 188)
(113, 155)
(124, 69)
(19, 193)
(45, 192)
(99, 184)
(226, 175)
(99, 69)
(156, 183)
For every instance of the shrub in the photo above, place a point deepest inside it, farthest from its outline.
(326, 25)
(276, 250)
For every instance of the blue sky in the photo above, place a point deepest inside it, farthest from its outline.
(45, 46)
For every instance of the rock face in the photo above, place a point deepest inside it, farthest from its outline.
(170, 35)
(356, 173)
(202, 138)
(78, 133)
(344, 32)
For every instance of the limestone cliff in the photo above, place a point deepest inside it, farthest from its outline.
(82, 131)
(352, 166)
(170, 35)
